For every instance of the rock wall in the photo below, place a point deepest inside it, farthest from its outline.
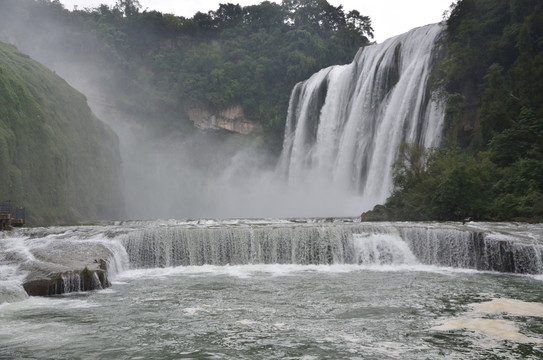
(232, 119)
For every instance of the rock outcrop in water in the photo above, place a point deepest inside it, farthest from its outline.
(56, 283)
(51, 261)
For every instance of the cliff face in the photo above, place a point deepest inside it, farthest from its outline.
(56, 158)
(232, 119)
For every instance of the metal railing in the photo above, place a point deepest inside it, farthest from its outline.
(5, 207)
(16, 213)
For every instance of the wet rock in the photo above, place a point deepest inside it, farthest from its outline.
(56, 283)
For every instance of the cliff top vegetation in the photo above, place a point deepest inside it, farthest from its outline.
(491, 164)
(149, 63)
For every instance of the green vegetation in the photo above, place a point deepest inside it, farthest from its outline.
(152, 63)
(491, 165)
(157, 67)
(56, 158)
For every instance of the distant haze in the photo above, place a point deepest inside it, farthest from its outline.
(389, 17)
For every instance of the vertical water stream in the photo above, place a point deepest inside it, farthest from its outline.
(345, 123)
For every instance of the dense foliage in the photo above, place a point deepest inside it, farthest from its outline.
(160, 63)
(491, 166)
(56, 158)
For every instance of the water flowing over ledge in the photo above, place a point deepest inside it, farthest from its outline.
(345, 123)
(67, 259)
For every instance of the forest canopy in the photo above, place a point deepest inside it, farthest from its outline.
(250, 56)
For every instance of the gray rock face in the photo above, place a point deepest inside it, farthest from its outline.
(232, 119)
(39, 284)
(64, 266)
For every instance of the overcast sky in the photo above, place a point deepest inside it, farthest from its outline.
(389, 17)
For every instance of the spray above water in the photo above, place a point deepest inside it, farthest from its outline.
(343, 130)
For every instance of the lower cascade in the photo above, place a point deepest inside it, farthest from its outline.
(331, 243)
(67, 259)
(382, 249)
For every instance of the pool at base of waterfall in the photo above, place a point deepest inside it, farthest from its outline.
(269, 311)
(278, 289)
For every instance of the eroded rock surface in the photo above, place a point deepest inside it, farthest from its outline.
(232, 119)
(60, 267)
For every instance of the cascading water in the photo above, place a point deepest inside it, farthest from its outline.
(335, 243)
(475, 249)
(345, 123)
(33, 255)
(275, 289)
(382, 249)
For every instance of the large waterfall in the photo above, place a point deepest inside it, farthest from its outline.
(345, 123)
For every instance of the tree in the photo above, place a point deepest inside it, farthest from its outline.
(410, 164)
(128, 7)
(496, 106)
(359, 24)
(228, 15)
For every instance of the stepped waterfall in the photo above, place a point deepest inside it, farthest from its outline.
(67, 259)
(345, 123)
(177, 286)
(338, 243)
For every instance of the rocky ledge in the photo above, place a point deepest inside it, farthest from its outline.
(61, 267)
(232, 119)
(56, 283)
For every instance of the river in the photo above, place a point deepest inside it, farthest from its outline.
(339, 290)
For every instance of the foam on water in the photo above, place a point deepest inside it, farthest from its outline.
(382, 249)
(279, 270)
(480, 319)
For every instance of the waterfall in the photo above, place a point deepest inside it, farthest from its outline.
(68, 259)
(382, 249)
(304, 244)
(474, 250)
(337, 243)
(245, 245)
(331, 243)
(345, 123)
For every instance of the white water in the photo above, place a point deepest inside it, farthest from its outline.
(323, 288)
(345, 123)
(13, 252)
(382, 249)
(281, 244)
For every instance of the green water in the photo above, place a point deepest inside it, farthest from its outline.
(281, 312)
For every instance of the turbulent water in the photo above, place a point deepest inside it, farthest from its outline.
(280, 289)
(345, 123)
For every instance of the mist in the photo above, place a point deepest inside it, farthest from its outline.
(214, 175)
(178, 174)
